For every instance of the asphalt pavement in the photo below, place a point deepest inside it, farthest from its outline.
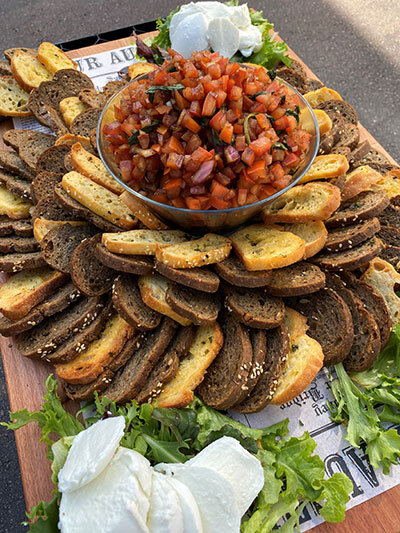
(352, 45)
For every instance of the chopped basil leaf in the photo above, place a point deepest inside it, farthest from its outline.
(280, 146)
(246, 127)
(272, 74)
(151, 90)
(294, 113)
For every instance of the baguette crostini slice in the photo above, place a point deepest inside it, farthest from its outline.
(325, 167)
(53, 58)
(13, 99)
(28, 70)
(314, 235)
(142, 212)
(141, 241)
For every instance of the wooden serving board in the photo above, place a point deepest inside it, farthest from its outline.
(26, 387)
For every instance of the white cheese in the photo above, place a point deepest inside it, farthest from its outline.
(113, 502)
(250, 40)
(90, 453)
(191, 514)
(165, 515)
(190, 35)
(240, 16)
(243, 471)
(223, 36)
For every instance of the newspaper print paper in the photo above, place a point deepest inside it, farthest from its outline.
(307, 412)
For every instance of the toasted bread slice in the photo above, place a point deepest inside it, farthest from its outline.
(90, 363)
(141, 241)
(12, 205)
(365, 205)
(209, 249)
(132, 264)
(9, 52)
(324, 121)
(70, 108)
(153, 289)
(21, 261)
(13, 99)
(304, 361)
(390, 183)
(266, 247)
(347, 237)
(359, 180)
(234, 272)
(84, 123)
(42, 226)
(313, 233)
(28, 71)
(206, 346)
(199, 307)
(349, 259)
(325, 167)
(324, 94)
(140, 68)
(142, 212)
(53, 58)
(89, 165)
(24, 290)
(383, 278)
(98, 199)
(199, 278)
(295, 280)
(70, 139)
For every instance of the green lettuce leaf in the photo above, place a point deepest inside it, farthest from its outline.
(336, 492)
(43, 518)
(163, 24)
(60, 451)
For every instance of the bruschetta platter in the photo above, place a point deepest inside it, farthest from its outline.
(121, 283)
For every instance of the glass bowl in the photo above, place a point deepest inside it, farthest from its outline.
(196, 221)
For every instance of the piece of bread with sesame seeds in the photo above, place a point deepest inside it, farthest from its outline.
(234, 272)
(209, 249)
(21, 261)
(349, 236)
(365, 205)
(349, 259)
(199, 278)
(358, 180)
(295, 280)
(86, 392)
(179, 392)
(42, 226)
(141, 241)
(142, 212)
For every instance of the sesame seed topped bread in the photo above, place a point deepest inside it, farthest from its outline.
(253, 307)
(127, 351)
(305, 359)
(91, 362)
(359, 180)
(16, 185)
(153, 289)
(325, 167)
(321, 95)
(15, 227)
(13, 163)
(192, 368)
(258, 339)
(384, 279)
(132, 264)
(142, 212)
(28, 70)
(350, 259)
(70, 108)
(91, 276)
(373, 302)
(29, 144)
(365, 205)
(225, 381)
(209, 249)
(359, 152)
(12, 205)
(199, 307)
(349, 136)
(324, 311)
(295, 280)
(21, 261)
(234, 272)
(277, 349)
(15, 243)
(128, 302)
(326, 143)
(43, 184)
(84, 123)
(199, 278)
(130, 379)
(341, 150)
(303, 203)
(13, 99)
(314, 235)
(52, 159)
(339, 107)
(98, 199)
(53, 58)
(86, 392)
(262, 247)
(22, 291)
(141, 241)
(347, 237)
(92, 167)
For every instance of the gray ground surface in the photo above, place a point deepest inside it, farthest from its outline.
(352, 45)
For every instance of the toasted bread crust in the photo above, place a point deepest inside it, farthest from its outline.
(314, 235)
(141, 241)
(359, 180)
(142, 212)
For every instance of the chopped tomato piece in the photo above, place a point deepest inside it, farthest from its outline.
(242, 196)
(192, 203)
(257, 170)
(218, 120)
(209, 106)
(248, 156)
(226, 133)
(260, 145)
(190, 124)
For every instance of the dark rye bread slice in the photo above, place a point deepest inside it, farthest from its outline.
(132, 264)
(16, 184)
(89, 275)
(326, 142)
(277, 350)
(349, 136)
(365, 205)
(127, 351)
(52, 119)
(340, 107)
(93, 140)
(197, 278)
(350, 259)
(342, 150)
(23, 228)
(391, 254)
(234, 272)
(48, 209)
(367, 340)
(254, 308)
(373, 302)
(44, 339)
(329, 321)
(12, 162)
(167, 366)
(200, 307)
(14, 243)
(84, 123)
(129, 304)
(313, 84)
(359, 152)
(77, 343)
(225, 381)
(258, 339)
(5, 68)
(59, 244)
(349, 236)
(390, 235)
(21, 261)
(296, 79)
(52, 159)
(338, 124)
(67, 162)
(29, 144)
(375, 160)
(86, 392)
(295, 280)
(91, 98)
(80, 212)
(130, 379)
(390, 216)
(43, 185)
